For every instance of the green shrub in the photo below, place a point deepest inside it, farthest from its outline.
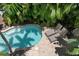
(14, 13)
(73, 47)
(71, 20)
(4, 54)
(47, 14)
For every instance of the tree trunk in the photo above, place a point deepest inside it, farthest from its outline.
(6, 42)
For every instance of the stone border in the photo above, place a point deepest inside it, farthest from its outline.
(7, 29)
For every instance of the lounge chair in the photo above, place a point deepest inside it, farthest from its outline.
(59, 31)
(54, 31)
(75, 33)
(58, 27)
(63, 32)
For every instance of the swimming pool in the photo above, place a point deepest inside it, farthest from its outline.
(21, 37)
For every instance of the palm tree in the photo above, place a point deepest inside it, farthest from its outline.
(3, 37)
(6, 42)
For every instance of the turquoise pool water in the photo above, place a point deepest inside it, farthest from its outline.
(21, 37)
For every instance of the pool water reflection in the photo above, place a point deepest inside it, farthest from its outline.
(21, 37)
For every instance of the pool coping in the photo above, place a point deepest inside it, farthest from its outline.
(9, 28)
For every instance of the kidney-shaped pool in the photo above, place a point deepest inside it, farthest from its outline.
(21, 37)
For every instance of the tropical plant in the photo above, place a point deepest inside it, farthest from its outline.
(73, 48)
(51, 13)
(71, 20)
(14, 13)
(47, 14)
